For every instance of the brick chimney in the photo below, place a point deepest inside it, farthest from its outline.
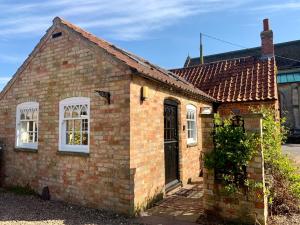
(267, 46)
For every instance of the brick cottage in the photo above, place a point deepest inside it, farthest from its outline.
(98, 125)
(104, 128)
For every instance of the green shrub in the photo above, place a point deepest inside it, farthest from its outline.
(285, 191)
(233, 149)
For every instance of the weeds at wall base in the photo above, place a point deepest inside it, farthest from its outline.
(19, 190)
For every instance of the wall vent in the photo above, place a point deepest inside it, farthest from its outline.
(56, 35)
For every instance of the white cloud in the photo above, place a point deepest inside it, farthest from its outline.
(120, 19)
(4, 79)
(292, 5)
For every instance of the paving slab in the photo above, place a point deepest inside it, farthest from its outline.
(182, 206)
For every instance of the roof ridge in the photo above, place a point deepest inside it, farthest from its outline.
(138, 64)
(218, 61)
(131, 55)
(246, 49)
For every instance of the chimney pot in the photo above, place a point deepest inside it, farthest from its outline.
(266, 25)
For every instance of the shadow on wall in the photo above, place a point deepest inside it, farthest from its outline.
(1, 162)
(149, 202)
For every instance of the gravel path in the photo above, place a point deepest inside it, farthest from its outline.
(285, 220)
(30, 210)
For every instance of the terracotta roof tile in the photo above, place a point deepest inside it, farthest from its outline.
(234, 80)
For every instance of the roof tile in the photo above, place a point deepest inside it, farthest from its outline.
(234, 80)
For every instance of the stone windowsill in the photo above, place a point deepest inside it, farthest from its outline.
(30, 150)
(80, 154)
(192, 145)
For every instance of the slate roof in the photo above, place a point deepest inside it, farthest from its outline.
(289, 49)
(138, 64)
(234, 80)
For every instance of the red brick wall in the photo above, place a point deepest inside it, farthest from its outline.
(241, 207)
(225, 109)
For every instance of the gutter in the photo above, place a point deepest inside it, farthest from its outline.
(190, 93)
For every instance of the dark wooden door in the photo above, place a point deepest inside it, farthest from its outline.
(171, 143)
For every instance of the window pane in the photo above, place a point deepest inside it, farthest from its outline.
(22, 117)
(67, 113)
(29, 115)
(77, 125)
(69, 125)
(35, 115)
(77, 138)
(85, 125)
(85, 138)
(189, 126)
(23, 126)
(24, 134)
(76, 111)
(192, 115)
(24, 137)
(69, 138)
(193, 125)
(83, 111)
(35, 127)
(30, 128)
(30, 136)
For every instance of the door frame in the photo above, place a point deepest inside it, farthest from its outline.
(176, 182)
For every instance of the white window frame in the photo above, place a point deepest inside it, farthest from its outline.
(62, 133)
(191, 108)
(24, 106)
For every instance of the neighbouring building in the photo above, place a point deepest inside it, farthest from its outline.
(98, 125)
(238, 83)
(287, 55)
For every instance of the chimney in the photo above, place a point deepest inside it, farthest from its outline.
(267, 46)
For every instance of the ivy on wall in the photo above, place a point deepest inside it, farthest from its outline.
(233, 149)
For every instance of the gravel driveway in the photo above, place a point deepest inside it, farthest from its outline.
(30, 210)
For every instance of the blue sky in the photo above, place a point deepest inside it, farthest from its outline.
(162, 31)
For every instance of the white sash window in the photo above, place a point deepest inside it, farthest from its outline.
(27, 125)
(191, 124)
(74, 124)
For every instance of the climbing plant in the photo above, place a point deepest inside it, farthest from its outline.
(284, 196)
(233, 149)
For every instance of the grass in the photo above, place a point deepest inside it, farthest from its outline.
(19, 190)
